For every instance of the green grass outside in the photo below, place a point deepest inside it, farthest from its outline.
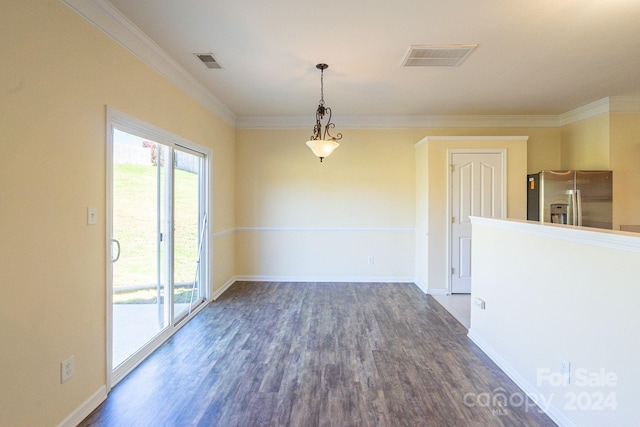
(135, 227)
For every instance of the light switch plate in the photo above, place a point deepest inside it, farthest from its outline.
(92, 216)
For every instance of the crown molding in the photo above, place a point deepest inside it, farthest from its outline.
(612, 104)
(469, 138)
(585, 112)
(616, 104)
(109, 20)
(477, 138)
(401, 122)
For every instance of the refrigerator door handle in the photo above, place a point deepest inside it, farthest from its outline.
(572, 208)
(579, 207)
(574, 213)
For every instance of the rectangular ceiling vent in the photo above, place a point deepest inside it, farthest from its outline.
(438, 55)
(208, 60)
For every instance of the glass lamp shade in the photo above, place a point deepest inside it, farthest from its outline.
(322, 148)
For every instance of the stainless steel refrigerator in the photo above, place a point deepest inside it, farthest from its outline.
(582, 198)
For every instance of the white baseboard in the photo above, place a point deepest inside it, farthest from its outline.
(100, 396)
(224, 287)
(325, 279)
(421, 286)
(85, 409)
(529, 389)
(424, 288)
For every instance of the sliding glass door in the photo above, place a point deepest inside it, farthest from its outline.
(189, 225)
(158, 239)
(140, 272)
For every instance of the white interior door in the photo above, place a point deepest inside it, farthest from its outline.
(477, 189)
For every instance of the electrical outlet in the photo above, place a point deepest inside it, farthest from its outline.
(67, 369)
(371, 260)
(565, 370)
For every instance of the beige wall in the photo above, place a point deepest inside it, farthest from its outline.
(540, 151)
(625, 163)
(543, 147)
(371, 187)
(422, 214)
(378, 195)
(609, 141)
(580, 307)
(439, 198)
(585, 144)
(57, 76)
(299, 218)
(374, 188)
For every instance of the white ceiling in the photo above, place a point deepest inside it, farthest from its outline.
(534, 57)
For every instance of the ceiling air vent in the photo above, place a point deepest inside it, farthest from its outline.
(438, 55)
(208, 60)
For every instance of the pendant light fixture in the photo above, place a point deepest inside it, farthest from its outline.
(322, 143)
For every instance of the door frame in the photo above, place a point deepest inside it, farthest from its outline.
(449, 207)
(130, 124)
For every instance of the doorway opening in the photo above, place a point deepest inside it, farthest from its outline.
(157, 227)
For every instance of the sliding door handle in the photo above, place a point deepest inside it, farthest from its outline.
(118, 246)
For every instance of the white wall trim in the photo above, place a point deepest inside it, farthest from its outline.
(322, 230)
(422, 141)
(224, 288)
(87, 407)
(614, 104)
(523, 138)
(439, 291)
(624, 241)
(585, 112)
(133, 125)
(534, 394)
(421, 286)
(326, 279)
(308, 279)
(114, 24)
(402, 122)
(223, 233)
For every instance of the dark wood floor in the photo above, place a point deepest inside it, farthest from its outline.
(286, 354)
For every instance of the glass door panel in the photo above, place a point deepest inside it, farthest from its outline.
(141, 273)
(189, 224)
(157, 198)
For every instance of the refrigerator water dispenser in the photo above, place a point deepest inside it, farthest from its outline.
(559, 213)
